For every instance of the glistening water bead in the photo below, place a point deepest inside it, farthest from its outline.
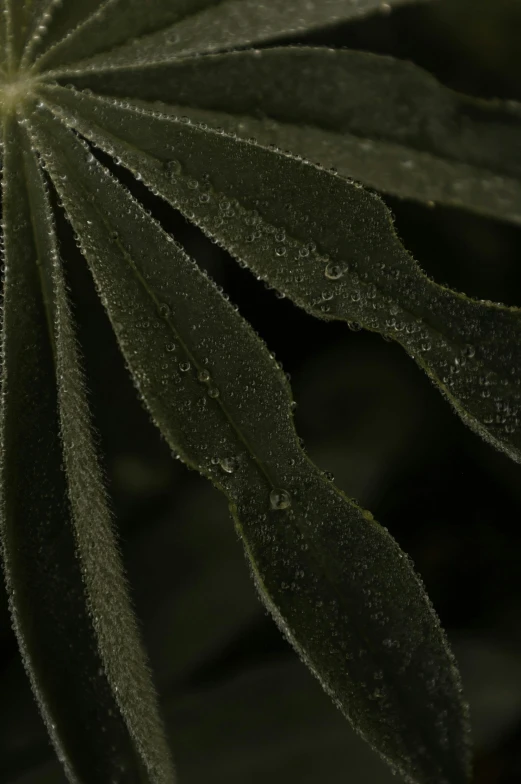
(164, 310)
(280, 499)
(228, 464)
(333, 271)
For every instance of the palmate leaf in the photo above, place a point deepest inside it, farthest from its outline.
(381, 121)
(67, 593)
(326, 243)
(335, 581)
(180, 27)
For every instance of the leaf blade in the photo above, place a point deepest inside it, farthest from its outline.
(201, 26)
(57, 545)
(355, 269)
(321, 542)
(381, 121)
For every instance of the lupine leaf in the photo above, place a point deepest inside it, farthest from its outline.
(381, 121)
(61, 18)
(335, 581)
(325, 242)
(66, 589)
(201, 26)
(24, 14)
(3, 35)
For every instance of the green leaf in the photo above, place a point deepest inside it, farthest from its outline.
(67, 593)
(325, 242)
(381, 121)
(22, 17)
(12, 23)
(52, 22)
(195, 26)
(335, 581)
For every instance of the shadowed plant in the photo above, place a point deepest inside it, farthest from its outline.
(270, 151)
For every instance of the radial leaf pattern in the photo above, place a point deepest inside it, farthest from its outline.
(78, 76)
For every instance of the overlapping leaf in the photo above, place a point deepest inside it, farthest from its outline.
(67, 593)
(334, 580)
(383, 122)
(195, 26)
(325, 242)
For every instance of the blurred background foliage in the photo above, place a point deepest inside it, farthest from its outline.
(239, 705)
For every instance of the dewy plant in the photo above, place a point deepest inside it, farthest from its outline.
(270, 151)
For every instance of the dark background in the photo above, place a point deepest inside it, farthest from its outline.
(240, 706)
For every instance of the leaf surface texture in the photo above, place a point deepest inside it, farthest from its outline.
(335, 581)
(381, 121)
(186, 27)
(325, 242)
(66, 588)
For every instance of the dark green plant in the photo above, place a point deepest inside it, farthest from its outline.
(210, 135)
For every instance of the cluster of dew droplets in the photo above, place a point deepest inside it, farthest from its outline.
(287, 264)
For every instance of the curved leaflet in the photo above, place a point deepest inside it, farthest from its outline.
(331, 247)
(194, 27)
(335, 581)
(66, 589)
(384, 122)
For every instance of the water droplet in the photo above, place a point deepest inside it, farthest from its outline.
(173, 167)
(229, 464)
(327, 296)
(280, 250)
(333, 271)
(164, 310)
(213, 392)
(184, 367)
(203, 376)
(280, 499)
(170, 347)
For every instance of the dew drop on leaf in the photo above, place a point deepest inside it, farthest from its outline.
(229, 464)
(184, 367)
(203, 376)
(334, 271)
(213, 392)
(173, 167)
(280, 499)
(164, 310)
